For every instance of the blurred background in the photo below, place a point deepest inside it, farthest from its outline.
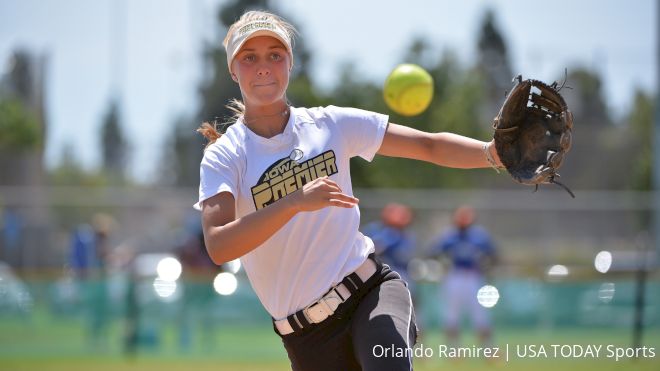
(101, 258)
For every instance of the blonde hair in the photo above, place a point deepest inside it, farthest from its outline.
(210, 129)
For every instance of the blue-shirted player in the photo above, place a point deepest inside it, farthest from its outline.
(469, 250)
(394, 243)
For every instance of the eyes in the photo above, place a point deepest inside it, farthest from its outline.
(275, 56)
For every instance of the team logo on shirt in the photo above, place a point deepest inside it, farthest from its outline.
(287, 175)
(296, 155)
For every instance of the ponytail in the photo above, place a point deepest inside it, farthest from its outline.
(209, 132)
(210, 129)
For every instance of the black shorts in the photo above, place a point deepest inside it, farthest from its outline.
(373, 330)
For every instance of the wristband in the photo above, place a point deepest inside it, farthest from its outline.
(490, 158)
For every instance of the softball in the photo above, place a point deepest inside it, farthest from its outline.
(408, 89)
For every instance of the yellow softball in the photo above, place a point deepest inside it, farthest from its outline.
(408, 89)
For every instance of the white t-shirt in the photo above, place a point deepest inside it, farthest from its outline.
(314, 250)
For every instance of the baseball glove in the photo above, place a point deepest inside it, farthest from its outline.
(533, 132)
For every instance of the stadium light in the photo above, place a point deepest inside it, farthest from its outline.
(169, 269)
(603, 261)
(558, 270)
(225, 283)
(488, 296)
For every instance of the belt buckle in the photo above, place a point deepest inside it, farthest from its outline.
(332, 299)
(316, 313)
(325, 307)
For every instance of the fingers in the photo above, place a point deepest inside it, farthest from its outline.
(342, 200)
(330, 183)
(332, 188)
(323, 192)
(325, 184)
(339, 203)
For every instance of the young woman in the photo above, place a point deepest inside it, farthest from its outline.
(275, 191)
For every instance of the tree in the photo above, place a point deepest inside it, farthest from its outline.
(183, 153)
(70, 172)
(19, 128)
(113, 144)
(585, 98)
(20, 141)
(22, 127)
(640, 119)
(20, 81)
(493, 59)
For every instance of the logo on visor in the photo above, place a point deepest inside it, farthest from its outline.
(256, 26)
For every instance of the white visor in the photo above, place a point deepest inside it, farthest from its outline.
(254, 29)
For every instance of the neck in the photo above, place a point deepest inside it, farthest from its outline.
(267, 121)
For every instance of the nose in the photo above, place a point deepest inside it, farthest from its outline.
(263, 71)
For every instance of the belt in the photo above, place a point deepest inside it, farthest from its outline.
(320, 310)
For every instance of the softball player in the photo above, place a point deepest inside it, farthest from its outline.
(394, 242)
(275, 190)
(470, 251)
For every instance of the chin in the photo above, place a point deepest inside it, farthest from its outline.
(265, 100)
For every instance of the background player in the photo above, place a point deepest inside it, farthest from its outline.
(393, 241)
(470, 252)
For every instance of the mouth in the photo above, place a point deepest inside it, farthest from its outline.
(262, 85)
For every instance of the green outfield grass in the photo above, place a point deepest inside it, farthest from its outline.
(48, 339)
(61, 345)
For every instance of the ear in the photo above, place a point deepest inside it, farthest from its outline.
(233, 77)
